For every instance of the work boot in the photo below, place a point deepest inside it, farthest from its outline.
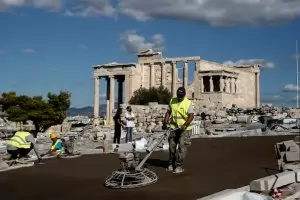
(178, 170)
(170, 168)
(20, 160)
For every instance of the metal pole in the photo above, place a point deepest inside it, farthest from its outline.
(297, 60)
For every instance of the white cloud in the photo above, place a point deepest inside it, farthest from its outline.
(263, 63)
(213, 12)
(90, 8)
(47, 4)
(83, 47)
(29, 50)
(291, 88)
(132, 42)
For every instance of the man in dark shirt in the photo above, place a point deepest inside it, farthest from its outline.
(118, 126)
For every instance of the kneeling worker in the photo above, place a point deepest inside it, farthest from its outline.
(21, 144)
(57, 145)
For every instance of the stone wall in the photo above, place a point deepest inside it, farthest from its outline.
(148, 117)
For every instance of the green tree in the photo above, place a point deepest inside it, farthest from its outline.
(43, 113)
(143, 96)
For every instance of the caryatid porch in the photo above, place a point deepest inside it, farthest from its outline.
(218, 81)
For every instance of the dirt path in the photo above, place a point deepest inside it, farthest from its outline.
(212, 165)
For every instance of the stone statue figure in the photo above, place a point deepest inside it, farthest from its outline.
(222, 84)
(227, 89)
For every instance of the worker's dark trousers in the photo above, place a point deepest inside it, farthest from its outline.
(117, 136)
(20, 152)
(182, 139)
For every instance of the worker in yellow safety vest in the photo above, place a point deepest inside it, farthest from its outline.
(56, 146)
(21, 144)
(180, 116)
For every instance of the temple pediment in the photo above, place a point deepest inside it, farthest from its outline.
(148, 52)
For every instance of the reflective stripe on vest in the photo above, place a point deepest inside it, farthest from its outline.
(19, 140)
(179, 113)
(54, 145)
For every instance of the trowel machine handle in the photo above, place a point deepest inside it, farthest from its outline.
(153, 146)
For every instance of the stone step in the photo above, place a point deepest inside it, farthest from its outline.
(273, 181)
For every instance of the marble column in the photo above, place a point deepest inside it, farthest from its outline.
(198, 80)
(211, 84)
(96, 99)
(120, 90)
(201, 84)
(235, 85)
(185, 74)
(152, 75)
(222, 85)
(227, 85)
(257, 77)
(174, 79)
(111, 98)
(107, 98)
(163, 75)
(128, 88)
(232, 85)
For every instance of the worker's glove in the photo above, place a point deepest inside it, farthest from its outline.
(164, 127)
(183, 128)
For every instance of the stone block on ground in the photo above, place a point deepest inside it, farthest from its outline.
(296, 170)
(290, 167)
(125, 147)
(273, 181)
(291, 145)
(291, 156)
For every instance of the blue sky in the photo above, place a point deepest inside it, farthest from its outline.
(49, 45)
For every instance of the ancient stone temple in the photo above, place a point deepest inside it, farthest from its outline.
(213, 83)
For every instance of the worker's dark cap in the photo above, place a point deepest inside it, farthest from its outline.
(181, 92)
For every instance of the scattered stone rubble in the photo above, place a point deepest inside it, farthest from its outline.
(210, 122)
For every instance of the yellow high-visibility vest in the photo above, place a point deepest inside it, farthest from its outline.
(54, 145)
(180, 113)
(19, 140)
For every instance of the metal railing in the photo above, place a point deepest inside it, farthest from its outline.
(197, 128)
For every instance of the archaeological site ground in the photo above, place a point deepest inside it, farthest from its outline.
(212, 165)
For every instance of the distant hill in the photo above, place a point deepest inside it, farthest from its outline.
(87, 111)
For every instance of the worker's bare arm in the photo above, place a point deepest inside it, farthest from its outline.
(191, 114)
(167, 115)
(30, 138)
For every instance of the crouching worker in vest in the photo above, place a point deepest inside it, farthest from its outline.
(180, 115)
(21, 144)
(56, 146)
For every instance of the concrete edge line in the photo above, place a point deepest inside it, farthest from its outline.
(17, 167)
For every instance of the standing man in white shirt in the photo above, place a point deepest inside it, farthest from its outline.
(130, 117)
